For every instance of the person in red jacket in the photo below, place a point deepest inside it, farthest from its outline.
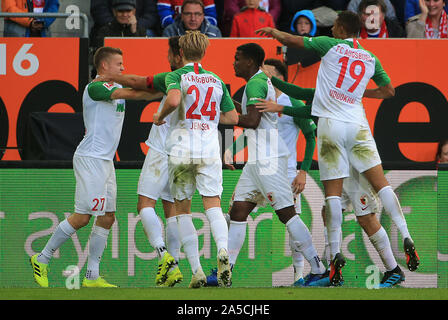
(250, 18)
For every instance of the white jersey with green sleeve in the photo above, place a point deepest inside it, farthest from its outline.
(157, 136)
(193, 131)
(103, 121)
(345, 70)
(263, 142)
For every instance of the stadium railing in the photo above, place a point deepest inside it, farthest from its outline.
(83, 16)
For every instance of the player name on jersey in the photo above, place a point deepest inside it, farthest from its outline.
(199, 126)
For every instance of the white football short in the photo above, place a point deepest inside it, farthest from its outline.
(188, 174)
(261, 182)
(96, 186)
(358, 195)
(153, 181)
(342, 144)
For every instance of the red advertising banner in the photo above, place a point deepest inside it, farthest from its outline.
(49, 75)
(35, 74)
(405, 127)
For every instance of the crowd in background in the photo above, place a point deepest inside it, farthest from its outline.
(237, 18)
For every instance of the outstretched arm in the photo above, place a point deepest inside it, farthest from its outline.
(132, 94)
(284, 38)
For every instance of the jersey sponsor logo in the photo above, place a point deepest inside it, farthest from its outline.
(120, 107)
(108, 85)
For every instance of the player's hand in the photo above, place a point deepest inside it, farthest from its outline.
(133, 23)
(156, 119)
(298, 184)
(266, 31)
(228, 160)
(268, 106)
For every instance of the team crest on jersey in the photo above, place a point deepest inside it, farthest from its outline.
(108, 85)
(363, 200)
(270, 196)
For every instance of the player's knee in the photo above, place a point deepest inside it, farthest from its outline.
(285, 214)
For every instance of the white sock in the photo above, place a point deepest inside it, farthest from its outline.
(97, 243)
(392, 207)
(381, 242)
(327, 247)
(227, 217)
(153, 229)
(333, 212)
(172, 238)
(237, 235)
(301, 237)
(298, 261)
(219, 227)
(189, 239)
(62, 233)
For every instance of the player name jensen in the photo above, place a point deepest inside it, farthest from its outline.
(199, 126)
(201, 78)
(355, 54)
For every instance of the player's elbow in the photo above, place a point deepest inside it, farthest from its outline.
(388, 91)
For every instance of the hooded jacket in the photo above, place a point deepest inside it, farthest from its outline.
(307, 14)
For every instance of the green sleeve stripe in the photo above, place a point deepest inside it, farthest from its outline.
(293, 91)
(159, 82)
(100, 91)
(256, 89)
(226, 101)
(380, 77)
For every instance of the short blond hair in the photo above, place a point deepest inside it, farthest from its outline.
(193, 45)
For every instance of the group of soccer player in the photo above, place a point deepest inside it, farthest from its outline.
(184, 156)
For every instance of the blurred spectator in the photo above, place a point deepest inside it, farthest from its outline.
(290, 7)
(28, 27)
(413, 9)
(442, 151)
(353, 6)
(191, 18)
(232, 7)
(304, 24)
(124, 23)
(431, 23)
(375, 24)
(250, 19)
(170, 9)
(145, 12)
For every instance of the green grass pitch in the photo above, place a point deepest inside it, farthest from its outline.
(232, 294)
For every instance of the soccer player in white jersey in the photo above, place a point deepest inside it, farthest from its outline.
(264, 176)
(153, 182)
(357, 194)
(96, 190)
(344, 136)
(197, 100)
